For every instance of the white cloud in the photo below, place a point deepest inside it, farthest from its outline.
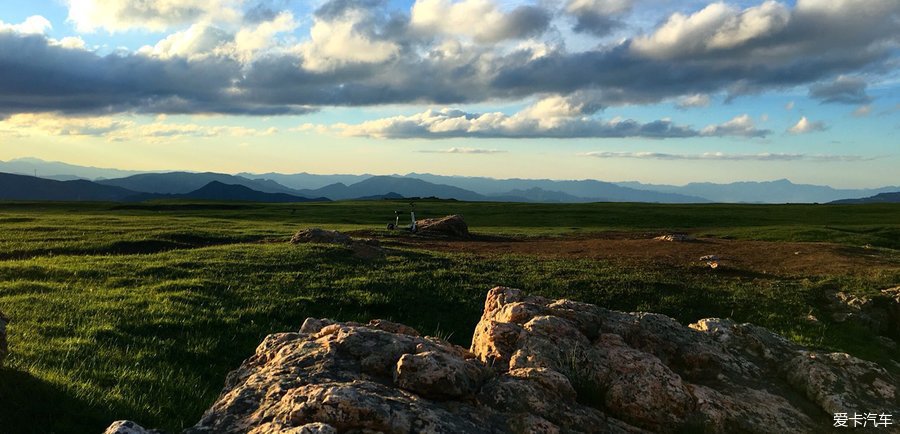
(691, 101)
(863, 111)
(118, 129)
(741, 125)
(481, 20)
(334, 43)
(804, 126)
(248, 42)
(156, 15)
(198, 40)
(463, 150)
(550, 117)
(721, 156)
(717, 26)
(33, 25)
(70, 42)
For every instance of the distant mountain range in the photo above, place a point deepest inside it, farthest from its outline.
(23, 187)
(115, 184)
(893, 197)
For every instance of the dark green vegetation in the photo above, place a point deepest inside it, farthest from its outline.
(138, 311)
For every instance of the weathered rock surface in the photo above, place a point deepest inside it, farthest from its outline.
(545, 366)
(363, 249)
(879, 313)
(127, 427)
(4, 349)
(452, 226)
(674, 237)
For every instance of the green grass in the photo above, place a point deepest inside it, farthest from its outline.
(138, 312)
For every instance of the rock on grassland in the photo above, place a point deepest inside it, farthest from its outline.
(364, 249)
(545, 366)
(451, 226)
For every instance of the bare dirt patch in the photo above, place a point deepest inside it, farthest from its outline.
(768, 257)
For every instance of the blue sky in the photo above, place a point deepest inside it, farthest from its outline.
(650, 90)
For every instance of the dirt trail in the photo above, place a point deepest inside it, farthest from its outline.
(784, 258)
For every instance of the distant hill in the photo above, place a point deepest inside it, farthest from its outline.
(60, 171)
(218, 191)
(345, 186)
(382, 185)
(306, 181)
(780, 191)
(587, 190)
(186, 182)
(22, 187)
(893, 197)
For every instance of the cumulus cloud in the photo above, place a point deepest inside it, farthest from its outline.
(199, 40)
(157, 15)
(844, 90)
(862, 111)
(597, 17)
(718, 26)
(482, 20)
(449, 123)
(339, 42)
(741, 126)
(691, 101)
(365, 52)
(462, 150)
(117, 129)
(551, 117)
(721, 156)
(804, 126)
(33, 25)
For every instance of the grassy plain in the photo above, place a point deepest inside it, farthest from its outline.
(137, 311)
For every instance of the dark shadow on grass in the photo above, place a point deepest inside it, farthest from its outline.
(31, 405)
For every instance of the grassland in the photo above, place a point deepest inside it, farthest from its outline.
(139, 311)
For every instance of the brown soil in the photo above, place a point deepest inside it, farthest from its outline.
(782, 258)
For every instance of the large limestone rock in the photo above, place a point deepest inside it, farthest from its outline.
(4, 349)
(545, 366)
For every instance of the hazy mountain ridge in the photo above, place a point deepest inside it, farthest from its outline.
(219, 191)
(24, 187)
(892, 197)
(348, 186)
(778, 191)
(186, 182)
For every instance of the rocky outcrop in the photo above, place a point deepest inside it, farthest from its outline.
(879, 313)
(363, 249)
(452, 226)
(4, 349)
(545, 366)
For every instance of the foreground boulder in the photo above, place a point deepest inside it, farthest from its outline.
(4, 349)
(452, 226)
(545, 366)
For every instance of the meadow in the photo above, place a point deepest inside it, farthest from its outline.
(137, 311)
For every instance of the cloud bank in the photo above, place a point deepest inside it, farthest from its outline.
(234, 57)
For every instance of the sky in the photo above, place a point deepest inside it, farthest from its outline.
(657, 91)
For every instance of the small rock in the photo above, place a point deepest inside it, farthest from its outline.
(127, 427)
(675, 237)
(322, 236)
